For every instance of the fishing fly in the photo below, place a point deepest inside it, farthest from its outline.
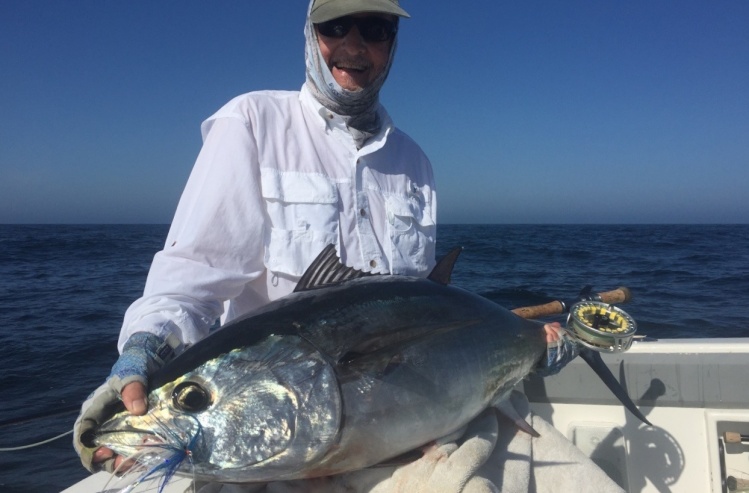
(170, 453)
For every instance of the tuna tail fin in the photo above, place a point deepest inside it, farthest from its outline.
(594, 360)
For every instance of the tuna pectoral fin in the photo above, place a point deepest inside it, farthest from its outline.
(507, 410)
(593, 358)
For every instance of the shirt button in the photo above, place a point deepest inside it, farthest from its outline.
(373, 263)
(330, 116)
(363, 212)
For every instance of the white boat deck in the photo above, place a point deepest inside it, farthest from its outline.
(692, 391)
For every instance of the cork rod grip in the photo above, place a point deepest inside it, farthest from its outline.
(618, 295)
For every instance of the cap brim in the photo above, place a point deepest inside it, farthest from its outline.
(333, 10)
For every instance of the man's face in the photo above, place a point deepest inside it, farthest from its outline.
(354, 60)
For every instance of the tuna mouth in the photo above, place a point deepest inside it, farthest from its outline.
(145, 437)
(143, 452)
(151, 437)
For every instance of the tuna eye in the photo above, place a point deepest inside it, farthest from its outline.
(190, 397)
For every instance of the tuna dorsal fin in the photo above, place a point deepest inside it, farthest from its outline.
(327, 270)
(444, 268)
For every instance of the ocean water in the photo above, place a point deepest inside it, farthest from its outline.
(64, 290)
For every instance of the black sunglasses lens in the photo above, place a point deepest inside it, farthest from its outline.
(376, 29)
(372, 29)
(336, 28)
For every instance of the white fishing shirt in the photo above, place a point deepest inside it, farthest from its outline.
(279, 178)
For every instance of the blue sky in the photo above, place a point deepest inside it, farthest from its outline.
(575, 111)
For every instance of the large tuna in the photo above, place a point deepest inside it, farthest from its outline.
(330, 379)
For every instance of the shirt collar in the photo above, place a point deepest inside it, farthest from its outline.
(325, 116)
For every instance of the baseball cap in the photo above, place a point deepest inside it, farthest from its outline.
(325, 10)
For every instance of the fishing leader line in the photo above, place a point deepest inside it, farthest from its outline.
(32, 445)
(34, 417)
(41, 415)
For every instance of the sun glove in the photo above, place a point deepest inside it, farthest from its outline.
(142, 355)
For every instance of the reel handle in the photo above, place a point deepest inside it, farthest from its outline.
(618, 295)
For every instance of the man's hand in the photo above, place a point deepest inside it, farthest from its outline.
(142, 355)
(134, 397)
(560, 350)
(553, 332)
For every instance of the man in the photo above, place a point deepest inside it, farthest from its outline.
(280, 176)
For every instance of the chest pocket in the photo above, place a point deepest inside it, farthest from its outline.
(303, 211)
(412, 235)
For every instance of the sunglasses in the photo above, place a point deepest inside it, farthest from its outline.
(372, 29)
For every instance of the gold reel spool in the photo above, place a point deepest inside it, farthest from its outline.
(601, 326)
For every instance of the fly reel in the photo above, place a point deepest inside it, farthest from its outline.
(601, 326)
